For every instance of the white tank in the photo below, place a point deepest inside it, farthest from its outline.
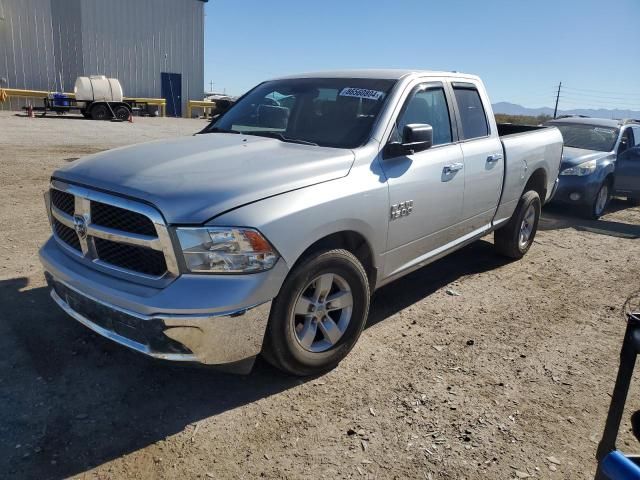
(97, 88)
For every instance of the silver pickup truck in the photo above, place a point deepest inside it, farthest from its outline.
(269, 231)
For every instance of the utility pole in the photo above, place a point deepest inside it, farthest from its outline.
(211, 86)
(555, 110)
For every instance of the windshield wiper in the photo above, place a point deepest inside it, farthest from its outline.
(221, 130)
(281, 137)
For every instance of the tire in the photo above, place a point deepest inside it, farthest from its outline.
(633, 201)
(85, 114)
(297, 343)
(599, 205)
(121, 113)
(515, 238)
(100, 112)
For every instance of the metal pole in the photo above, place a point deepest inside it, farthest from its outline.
(555, 110)
(628, 353)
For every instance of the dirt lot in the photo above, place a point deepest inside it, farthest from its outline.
(489, 384)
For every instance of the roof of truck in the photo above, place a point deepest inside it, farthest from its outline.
(381, 74)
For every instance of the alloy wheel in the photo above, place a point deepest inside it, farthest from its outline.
(322, 312)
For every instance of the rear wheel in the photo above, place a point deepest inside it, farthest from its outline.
(121, 113)
(515, 238)
(100, 112)
(319, 314)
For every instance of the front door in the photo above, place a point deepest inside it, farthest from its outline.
(627, 177)
(171, 86)
(426, 188)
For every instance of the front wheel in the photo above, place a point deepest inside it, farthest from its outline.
(100, 112)
(319, 314)
(601, 202)
(515, 238)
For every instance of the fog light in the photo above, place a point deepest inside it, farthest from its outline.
(575, 196)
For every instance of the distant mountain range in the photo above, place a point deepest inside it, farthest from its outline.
(515, 109)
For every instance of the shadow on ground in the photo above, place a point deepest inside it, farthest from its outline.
(70, 400)
(50, 114)
(558, 218)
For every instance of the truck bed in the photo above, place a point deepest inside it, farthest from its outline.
(505, 129)
(526, 150)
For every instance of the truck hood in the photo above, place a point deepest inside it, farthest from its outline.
(196, 178)
(572, 156)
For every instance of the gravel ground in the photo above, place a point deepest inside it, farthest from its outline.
(509, 379)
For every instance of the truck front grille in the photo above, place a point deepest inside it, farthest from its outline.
(130, 257)
(121, 219)
(110, 232)
(67, 235)
(63, 201)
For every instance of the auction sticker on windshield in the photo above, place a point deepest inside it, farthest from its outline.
(361, 93)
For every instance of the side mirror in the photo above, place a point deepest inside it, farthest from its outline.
(416, 137)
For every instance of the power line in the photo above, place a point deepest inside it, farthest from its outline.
(592, 106)
(604, 92)
(604, 97)
(574, 99)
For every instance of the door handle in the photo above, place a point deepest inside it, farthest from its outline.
(452, 167)
(494, 158)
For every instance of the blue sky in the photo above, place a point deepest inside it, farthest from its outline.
(521, 49)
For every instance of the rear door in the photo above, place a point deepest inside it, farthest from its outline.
(425, 188)
(483, 158)
(628, 165)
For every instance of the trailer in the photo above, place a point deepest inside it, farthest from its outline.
(96, 110)
(99, 98)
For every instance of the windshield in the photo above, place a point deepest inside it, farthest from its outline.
(330, 112)
(589, 137)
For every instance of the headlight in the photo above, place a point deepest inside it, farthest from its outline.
(226, 250)
(586, 168)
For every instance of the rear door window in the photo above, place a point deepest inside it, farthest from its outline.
(473, 118)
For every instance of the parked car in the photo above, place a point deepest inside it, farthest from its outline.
(600, 159)
(269, 231)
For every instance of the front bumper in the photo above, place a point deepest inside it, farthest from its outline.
(207, 319)
(574, 190)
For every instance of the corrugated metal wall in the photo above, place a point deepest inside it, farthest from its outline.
(46, 44)
(26, 47)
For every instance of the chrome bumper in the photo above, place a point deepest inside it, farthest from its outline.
(232, 338)
(209, 319)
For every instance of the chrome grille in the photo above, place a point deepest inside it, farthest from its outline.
(63, 201)
(121, 219)
(138, 259)
(67, 235)
(111, 232)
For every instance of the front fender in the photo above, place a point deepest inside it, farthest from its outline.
(606, 168)
(294, 221)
